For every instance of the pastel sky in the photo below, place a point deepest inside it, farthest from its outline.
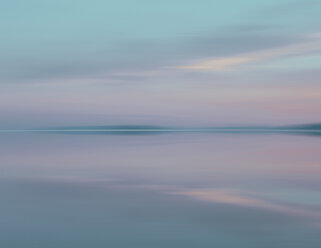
(169, 62)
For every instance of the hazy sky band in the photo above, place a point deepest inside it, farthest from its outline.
(172, 62)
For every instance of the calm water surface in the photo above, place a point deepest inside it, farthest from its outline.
(165, 190)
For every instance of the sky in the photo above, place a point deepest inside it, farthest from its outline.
(191, 63)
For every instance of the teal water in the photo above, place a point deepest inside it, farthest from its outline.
(166, 190)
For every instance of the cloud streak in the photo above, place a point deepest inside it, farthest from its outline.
(312, 44)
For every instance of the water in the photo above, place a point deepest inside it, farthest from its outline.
(160, 190)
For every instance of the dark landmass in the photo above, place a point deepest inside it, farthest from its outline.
(307, 129)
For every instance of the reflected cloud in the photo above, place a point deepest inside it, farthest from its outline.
(238, 198)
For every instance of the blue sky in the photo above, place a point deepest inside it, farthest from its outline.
(167, 62)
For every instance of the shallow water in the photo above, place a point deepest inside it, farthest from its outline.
(164, 190)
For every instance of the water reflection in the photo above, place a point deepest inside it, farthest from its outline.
(182, 190)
